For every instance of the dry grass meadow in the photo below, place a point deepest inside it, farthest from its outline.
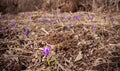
(83, 35)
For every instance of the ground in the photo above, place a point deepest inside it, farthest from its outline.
(90, 42)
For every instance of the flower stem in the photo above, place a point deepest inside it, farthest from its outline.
(48, 62)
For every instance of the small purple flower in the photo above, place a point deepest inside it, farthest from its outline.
(13, 23)
(104, 17)
(1, 19)
(30, 17)
(13, 28)
(55, 21)
(27, 32)
(94, 27)
(73, 18)
(91, 18)
(112, 20)
(3, 30)
(56, 13)
(68, 26)
(77, 17)
(11, 16)
(65, 17)
(43, 21)
(46, 50)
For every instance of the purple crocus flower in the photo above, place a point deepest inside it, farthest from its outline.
(13, 23)
(1, 19)
(30, 17)
(3, 30)
(27, 32)
(11, 17)
(68, 26)
(55, 21)
(46, 50)
(77, 17)
(91, 18)
(43, 21)
(104, 17)
(73, 18)
(112, 20)
(94, 27)
(56, 13)
(65, 17)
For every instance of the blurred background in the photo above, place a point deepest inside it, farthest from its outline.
(16, 6)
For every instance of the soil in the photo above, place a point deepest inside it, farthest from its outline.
(78, 48)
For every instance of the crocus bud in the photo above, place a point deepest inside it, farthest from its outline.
(46, 50)
(27, 32)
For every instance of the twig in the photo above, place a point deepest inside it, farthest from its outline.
(44, 31)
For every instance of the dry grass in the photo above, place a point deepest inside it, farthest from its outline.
(80, 48)
(92, 42)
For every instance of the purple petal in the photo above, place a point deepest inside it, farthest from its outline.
(29, 17)
(68, 26)
(27, 32)
(56, 13)
(13, 28)
(48, 19)
(65, 17)
(77, 17)
(104, 17)
(3, 30)
(13, 23)
(11, 17)
(91, 18)
(55, 21)
(1, 19)
(49, 48)
(73, 18)
(112, 19)
(43, 21)
(94, 27)
(46, 50)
